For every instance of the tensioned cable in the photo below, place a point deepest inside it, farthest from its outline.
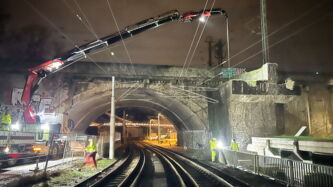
(122, 40)
(62, 33)
(198, 41)
(86, 18)
(274, 32)
(129, 90)
(193, 52)
(186, 55)
(80, 19)
(190, 48)
(90, 29)
(274, 44)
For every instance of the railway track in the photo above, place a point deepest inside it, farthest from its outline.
(124, 172)
(209, 168)
(193, 173)
(132, 169)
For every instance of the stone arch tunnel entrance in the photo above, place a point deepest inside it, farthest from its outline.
(190, 128)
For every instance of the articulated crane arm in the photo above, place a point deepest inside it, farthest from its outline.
(38, 73)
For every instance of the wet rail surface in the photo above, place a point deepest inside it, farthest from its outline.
(133, 169)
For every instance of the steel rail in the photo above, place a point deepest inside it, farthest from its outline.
(91, 180)
(133, 178)
(215, 174)
(121, 173)
(177, 172)
(226, 176)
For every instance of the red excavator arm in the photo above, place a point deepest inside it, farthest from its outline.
(37, 74)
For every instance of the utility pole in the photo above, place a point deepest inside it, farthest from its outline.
(209, 40)
(124, 127)
(112, 121)
(264, 39)
(159, 128)
(150, 127)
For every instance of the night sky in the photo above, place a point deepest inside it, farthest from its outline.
(32, 31)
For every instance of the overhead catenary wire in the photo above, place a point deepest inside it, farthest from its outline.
(80, 19)
(130, 90)
(86, 18)
(88, 28)
(59, 31)
(275, 32)
(274, 44)
(192, 42)
(188, 63)
(122, 40)
(198, 41)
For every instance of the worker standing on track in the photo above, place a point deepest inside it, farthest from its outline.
(92, 150)
(213, 147)
(6, 120)
(234, 145)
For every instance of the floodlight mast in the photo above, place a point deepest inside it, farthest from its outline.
(38, 73)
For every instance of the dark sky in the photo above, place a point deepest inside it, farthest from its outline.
(36, 30)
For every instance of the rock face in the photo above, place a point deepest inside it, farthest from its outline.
(254, 105)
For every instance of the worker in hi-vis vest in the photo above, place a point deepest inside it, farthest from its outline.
(6, 120)
(213, 147)
(234, 145)
(92, 150)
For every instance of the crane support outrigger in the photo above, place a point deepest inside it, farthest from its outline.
(38, 73)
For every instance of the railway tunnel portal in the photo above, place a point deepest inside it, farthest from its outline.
(88, 95)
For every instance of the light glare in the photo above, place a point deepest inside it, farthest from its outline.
(45, 126)
(16, 126)
(202, 19)
(219, 144)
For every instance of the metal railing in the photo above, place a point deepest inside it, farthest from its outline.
(290, 172)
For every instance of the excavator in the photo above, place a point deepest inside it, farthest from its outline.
(40, 72)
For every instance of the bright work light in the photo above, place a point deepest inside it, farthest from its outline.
(219, 144)
(16, 126)
(202, 19)
(45, 126)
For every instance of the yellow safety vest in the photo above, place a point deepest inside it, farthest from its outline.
(46, 134)
(91, 147)
(234, 146)
(6, 119)
(212, 144)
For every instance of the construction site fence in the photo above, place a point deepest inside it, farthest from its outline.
(289, 172)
